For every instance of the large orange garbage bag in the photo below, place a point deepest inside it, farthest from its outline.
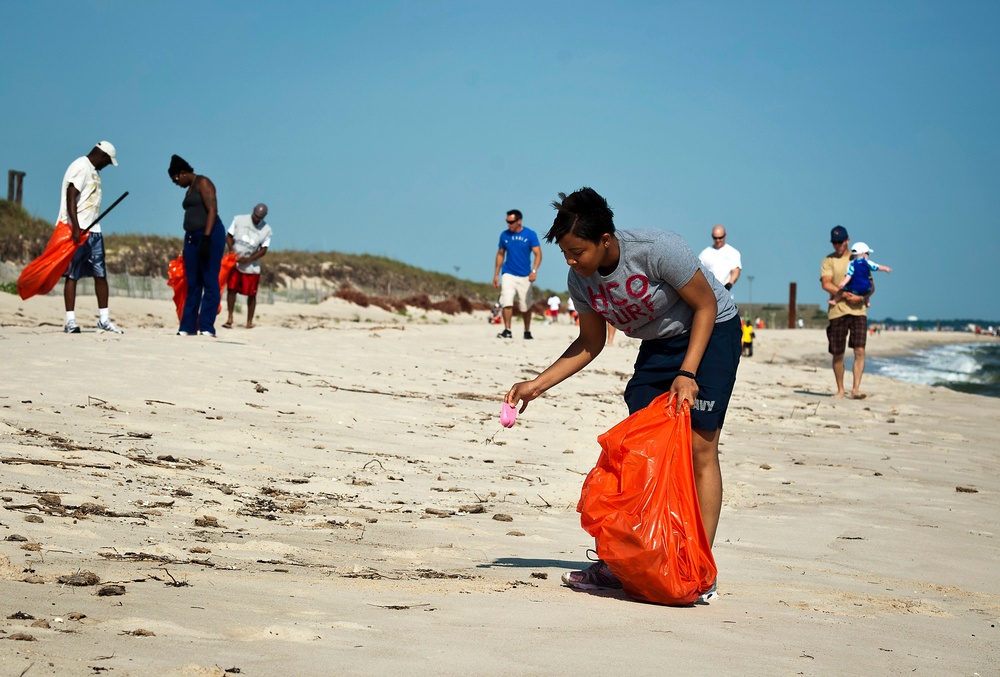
(176, 279)
(42, 274)
(641, 506)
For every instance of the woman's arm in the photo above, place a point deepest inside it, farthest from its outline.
(580, 353)
(206, 189)
(698, 294)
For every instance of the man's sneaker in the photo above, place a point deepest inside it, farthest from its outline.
(710, 594)
(206, 333)
(528, 336)
(597, 576)
(108, 326)
(183, 333)
(505, 334)
(71, 327)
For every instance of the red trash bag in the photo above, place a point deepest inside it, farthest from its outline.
(225, 270)
(641, 506)
(42, 274)
(177, 280)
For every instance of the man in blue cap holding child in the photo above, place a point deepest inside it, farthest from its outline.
(846, 316)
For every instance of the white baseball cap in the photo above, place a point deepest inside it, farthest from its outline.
(108, 148)
(861, 248)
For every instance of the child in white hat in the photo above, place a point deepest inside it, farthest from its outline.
(858, 279)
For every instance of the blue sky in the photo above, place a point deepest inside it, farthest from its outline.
(407, 129)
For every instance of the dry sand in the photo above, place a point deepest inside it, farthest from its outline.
(331, 493)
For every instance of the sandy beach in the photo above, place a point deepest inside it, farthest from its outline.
(331, 492)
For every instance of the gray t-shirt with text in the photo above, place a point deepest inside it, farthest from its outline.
(640, 297)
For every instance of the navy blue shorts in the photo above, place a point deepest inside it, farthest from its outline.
(658, 362)
(88, 260)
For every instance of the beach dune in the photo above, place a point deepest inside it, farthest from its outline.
(332, 492)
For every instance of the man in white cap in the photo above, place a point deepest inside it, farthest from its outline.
(79, 206)
(248, 237)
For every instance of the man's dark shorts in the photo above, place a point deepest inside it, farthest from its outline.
(88, 260)
(837, 330)
(658, 363)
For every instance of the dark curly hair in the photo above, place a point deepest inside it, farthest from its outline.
(584, 213)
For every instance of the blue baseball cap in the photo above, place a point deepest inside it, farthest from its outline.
(838, 234)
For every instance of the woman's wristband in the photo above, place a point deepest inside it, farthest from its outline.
(681, 372)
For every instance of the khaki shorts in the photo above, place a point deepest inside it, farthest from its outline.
(514, 287)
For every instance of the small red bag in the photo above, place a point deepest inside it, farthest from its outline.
(640, 504)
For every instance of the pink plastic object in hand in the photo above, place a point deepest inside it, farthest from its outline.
(507, 415)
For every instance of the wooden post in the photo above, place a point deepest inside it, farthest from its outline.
(791, 305)
(15, 186)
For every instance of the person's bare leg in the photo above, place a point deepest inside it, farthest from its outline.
(527, 320)
(707, 478)
(101, 289)
(858, 371)
(69, 295)
(230, 306)
(838, 374)
(508, 313)
(251, 307)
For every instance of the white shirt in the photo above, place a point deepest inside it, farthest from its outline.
(248, 239)
(82, 174)
(721, 262)
(554, 303)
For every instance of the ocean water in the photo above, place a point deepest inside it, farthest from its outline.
(966, 367)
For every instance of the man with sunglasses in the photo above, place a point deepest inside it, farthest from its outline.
(515, 271)
(847, 316)
(722, 259)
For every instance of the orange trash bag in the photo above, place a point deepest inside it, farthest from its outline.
(42, 274)
(641, 506)
(177, 279)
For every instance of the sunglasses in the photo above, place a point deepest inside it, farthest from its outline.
(511, 223)
(719, 238)
(837, 241)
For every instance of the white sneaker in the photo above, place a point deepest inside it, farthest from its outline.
(108, 326)
(72, 327)
(710, 594)
(206, 333)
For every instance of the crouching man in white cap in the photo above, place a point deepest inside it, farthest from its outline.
(248, 237)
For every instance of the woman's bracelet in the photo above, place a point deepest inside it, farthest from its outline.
(681, 372)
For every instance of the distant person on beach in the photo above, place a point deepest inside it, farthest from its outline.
(722, 259)
(204, 245)
(649, 284)
(79, 205)
(552, 314)
(571, 307)
(514, 271)
(249, 237)
(748, 336)
(846, 316)
(858, 279)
